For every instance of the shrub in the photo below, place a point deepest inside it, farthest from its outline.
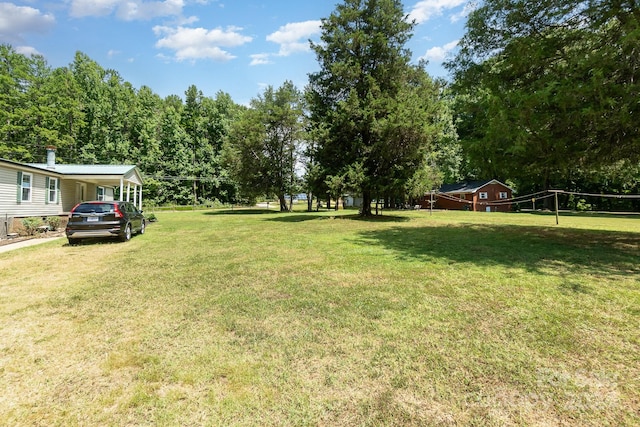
(53, 222)
(208, 203)
(582, 205)
(31, 225)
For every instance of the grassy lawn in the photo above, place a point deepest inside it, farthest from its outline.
(255, 318)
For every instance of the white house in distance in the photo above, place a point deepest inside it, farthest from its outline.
(50, 189)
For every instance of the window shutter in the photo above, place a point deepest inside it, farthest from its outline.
(19, 195)
(58, 191)
(46, 193)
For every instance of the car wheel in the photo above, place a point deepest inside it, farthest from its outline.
(142, 226)
(127, 234)
(73, 242)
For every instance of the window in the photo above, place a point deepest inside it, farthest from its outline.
(100, 193)
(26, 187)
(463, 196)
(52, 190)
(484, 195)
(94, 208)
(503, 195)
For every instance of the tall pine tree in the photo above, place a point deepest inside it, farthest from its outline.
(370, 121)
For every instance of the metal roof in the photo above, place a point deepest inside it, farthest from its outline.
(86, 169)
(469, 187)
(99, 174)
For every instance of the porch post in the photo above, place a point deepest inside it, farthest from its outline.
(128, 191)
(140, 199)
(121, 189)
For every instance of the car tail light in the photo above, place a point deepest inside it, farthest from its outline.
(117, 212)
(71, 211)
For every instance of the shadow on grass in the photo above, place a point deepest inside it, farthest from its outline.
(531, 248)
(588, 214)
(286, 217)
(97, 241)
(241, 211)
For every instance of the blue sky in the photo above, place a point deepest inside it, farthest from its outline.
(234, 46)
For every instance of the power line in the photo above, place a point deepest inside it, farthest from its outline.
(536, 196)
(608, 196)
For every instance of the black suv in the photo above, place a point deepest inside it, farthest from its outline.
(104, 219)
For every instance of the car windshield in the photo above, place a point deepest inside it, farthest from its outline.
(94, 208)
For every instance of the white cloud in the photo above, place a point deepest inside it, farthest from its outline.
(15, 21)
(139, 10)
(27, 50)
(426, 9)
(199, 43)
(127, 10)
(293, 37)
(113, 53)
(187, 21)
(466, 10)
(80, 8)
(260, 59)
(439, 53)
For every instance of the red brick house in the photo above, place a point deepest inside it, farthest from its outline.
(484, 196)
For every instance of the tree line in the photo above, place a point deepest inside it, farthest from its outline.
(543, 95)
(548, 95)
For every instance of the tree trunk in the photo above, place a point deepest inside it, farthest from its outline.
(309, 202)
(328, 203)
(195, 193)
(283, 203)
(366, 203)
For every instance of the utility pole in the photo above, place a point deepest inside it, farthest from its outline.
(555, 192)
(431, 203)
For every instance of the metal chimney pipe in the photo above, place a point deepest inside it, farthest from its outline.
(51, 157)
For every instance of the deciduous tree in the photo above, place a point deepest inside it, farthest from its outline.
(550, 88)
(263, 143)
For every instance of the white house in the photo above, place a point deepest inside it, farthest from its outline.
(352, 201)
(50, 189)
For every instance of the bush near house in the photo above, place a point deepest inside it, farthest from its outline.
(30, 225)
(53, 222)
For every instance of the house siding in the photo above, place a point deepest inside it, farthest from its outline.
(493, 197)
(463, 204)
(470, 199)
(68, 194)
(36, 207)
